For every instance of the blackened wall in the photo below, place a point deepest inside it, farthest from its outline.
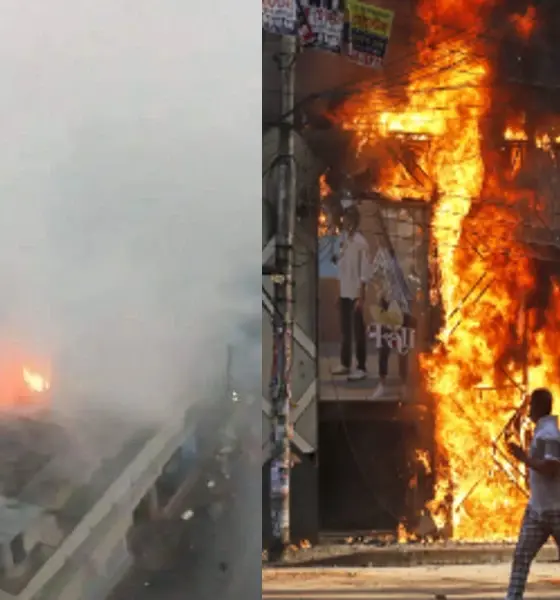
(529, 65)
(369, 478)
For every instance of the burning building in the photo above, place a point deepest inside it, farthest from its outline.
(471, 129)
(453, 144)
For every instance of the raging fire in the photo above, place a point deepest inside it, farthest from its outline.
(476, 372)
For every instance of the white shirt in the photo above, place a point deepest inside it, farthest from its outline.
(545, 491)
(354, 266)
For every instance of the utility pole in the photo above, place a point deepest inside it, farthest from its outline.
(283, 318)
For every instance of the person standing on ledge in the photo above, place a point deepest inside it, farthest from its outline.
(542, 515)
(354, 268)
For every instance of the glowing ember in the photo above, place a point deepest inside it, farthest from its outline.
(476, 371)
(324, 188)
(525, 24)
(423, 458)
(34, 381)
(544, 142)
(402, 535)
(325, 224)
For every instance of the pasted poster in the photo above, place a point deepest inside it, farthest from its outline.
(280, 16)
(321, 27)
(369, 33)
(373, 301)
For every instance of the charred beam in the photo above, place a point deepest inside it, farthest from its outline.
(406, 158)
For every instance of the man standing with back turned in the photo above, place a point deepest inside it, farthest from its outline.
(542, 516)
(354, 268)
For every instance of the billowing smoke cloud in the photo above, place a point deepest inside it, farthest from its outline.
(121, 256)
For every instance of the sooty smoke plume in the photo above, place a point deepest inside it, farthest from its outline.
(120, 257)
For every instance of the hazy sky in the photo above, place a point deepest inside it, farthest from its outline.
(129, 191)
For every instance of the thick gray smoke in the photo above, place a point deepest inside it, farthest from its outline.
(128, 229)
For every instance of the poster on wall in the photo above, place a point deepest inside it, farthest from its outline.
(369, 33)
(280, 16)
(373, 301)
(321, 27)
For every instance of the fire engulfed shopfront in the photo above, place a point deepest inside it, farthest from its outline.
(453, 169)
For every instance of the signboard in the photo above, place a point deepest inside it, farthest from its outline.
(369, 351)
(370, 29)
(322, 28)
(280, 16)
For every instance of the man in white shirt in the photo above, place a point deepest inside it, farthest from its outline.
(542, 516)
(354, 268)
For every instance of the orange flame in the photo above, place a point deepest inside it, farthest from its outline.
(423, 458)
(324, 192)
(324, 188)
(446, 102)
(476, 371)
(516, 133)
(35, 381)
(513, 133)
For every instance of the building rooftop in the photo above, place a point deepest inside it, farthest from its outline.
(52, 472)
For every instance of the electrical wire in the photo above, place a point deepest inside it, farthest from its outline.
(482, 237)
(427, 74)
(352, 82)
(432, 74)
(457, 34)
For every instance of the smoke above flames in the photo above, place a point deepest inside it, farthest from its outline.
(123, 266)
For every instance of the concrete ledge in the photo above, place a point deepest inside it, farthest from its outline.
(406, 555)
(466, 582)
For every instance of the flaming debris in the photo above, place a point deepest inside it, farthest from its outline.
(477, 372)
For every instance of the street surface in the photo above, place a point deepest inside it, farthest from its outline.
(467, 582)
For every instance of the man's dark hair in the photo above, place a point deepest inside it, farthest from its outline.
(541, 401)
